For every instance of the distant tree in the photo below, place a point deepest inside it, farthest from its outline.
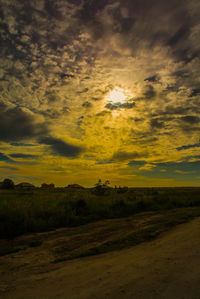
(99, 183)
(8, 184)
(122, 189)
(107, 182)
(101, 188)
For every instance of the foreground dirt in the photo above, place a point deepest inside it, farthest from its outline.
(168, 267)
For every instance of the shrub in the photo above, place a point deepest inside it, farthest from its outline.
(35, 243)
(8, 184)
(99, 190)
(81, 207)
(122, 190)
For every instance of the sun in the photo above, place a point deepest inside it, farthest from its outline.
(117, 95)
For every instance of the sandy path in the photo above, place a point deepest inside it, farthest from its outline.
(168, 267)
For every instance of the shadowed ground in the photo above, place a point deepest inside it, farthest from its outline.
(167, 267)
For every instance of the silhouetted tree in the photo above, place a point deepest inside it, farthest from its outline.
(8, 184)
(101, 188)
(99, 183)
(107, 182)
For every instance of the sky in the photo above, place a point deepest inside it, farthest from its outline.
(100, 89)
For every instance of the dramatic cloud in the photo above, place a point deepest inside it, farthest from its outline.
(127, 105)
(5, 158)
(62, 148)
(123, 156)
(23, 156)
(9, 168)
(117, 80)
(17, 124)
(185, 147)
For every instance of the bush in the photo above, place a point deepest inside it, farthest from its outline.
(81, 207)
(122, 190)
(99, 190)
(35, 243)
(8, 184)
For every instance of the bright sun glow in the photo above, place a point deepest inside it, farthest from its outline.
(117, 95)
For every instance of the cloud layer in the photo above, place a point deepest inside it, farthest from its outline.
(59, 62)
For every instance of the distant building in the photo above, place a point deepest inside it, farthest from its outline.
(25, 185)
(47, 186)
(75, 186)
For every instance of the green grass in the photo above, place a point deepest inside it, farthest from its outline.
(28, 211)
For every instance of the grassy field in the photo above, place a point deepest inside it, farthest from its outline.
(27, 211)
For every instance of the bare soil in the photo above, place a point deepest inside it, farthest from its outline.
(167, 267)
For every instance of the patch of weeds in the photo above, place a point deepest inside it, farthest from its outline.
(144, 234)
(9, 250)
(89, 252)
(35, 243)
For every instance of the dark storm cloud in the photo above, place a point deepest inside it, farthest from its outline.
(23, 156)
(104, 162)
(128, 105)
(171, 110)
(35, 33)
(52, 9)
(137, 163)
(61, 147)
(116, 106)
(123, 156)
(181, 74)
(153, 79)
(96, 98)
(149, 92)
(6, 159)
(54, 113)
(185, 147)
(9, 167)
(83, 91)
(179, 35)
(170, 88)
(22, 144)
(157, 22)
(153, 21)
(16, 124)
(87, 104)
(103, 113)
(90, 9)
(190, 119)
(156, 123)
(151, 140)
(195, 92)
(63, 75)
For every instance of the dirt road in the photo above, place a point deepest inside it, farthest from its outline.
(168, 267)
